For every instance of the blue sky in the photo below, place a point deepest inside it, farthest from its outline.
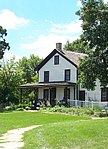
(35, 26)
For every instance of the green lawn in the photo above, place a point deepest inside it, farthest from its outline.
(58, 131)
(11, 120)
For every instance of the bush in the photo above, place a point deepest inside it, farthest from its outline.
(27, 108)
(89, 111)
(79, 111)
(19, 109)
(7, 108)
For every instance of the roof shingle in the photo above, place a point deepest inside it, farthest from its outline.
(74, 56)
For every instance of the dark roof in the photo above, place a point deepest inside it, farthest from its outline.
(72, 57)
(50, 84)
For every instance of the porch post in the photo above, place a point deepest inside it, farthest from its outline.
(49, 97)
(35, 94)
(75, 94)
(35, 97)
(65, 96)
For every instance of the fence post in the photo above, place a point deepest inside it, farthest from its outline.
(92, 104)
(76, 103)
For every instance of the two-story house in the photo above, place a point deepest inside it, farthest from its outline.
(58, 75)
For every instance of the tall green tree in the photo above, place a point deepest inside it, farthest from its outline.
(9, 80)
(27, 65)
(76, 46)
(94, 16)
(13, 74)
(3, 44)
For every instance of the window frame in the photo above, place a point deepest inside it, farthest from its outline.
(56, 60)
(46, 76)
(67, 74)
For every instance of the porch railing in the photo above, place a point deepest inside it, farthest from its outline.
(87, 104)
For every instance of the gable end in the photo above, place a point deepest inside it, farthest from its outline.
(50, 56)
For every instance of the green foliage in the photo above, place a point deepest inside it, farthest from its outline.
(3, 44)
(12, 74)
(94, 16)
(27, 66)
(77, 46)
(75, 111)
(9, 81)
(87, 77)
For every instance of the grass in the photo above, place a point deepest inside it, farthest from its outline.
(87, 134)
(12, 120)
(58, 131)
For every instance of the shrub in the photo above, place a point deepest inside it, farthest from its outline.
(7, 108)
(19, 109)
(79, 111)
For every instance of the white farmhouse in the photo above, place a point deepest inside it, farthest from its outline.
(58, 75)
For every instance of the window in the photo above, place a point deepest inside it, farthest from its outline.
(104, 94)
(46, 76)
(67, 74)
(46, 94)
(56, 60)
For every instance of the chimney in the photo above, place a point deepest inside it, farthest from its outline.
(59, 46)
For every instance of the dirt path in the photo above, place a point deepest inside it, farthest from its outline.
(13, 138)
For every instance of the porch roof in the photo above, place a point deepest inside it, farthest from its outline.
(40, 85)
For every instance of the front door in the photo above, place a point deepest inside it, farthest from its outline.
(52, 96)
(81, 98)
(82, 95)
(66, 95)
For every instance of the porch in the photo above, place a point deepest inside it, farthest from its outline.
(61, 91)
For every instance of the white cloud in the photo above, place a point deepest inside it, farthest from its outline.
(105, 1)
(9, 20)
(79, 3)
(45, 44)
(73, 27)
(9, 55)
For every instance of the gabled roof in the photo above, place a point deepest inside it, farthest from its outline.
(72, 57)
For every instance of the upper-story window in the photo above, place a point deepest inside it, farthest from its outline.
(56, 59)
(46, 76)
(67, 75)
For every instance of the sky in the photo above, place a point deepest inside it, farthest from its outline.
(35, 26)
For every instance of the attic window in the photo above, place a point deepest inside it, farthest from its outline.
(56, 59)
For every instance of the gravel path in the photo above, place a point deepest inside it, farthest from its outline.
(13, 138)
